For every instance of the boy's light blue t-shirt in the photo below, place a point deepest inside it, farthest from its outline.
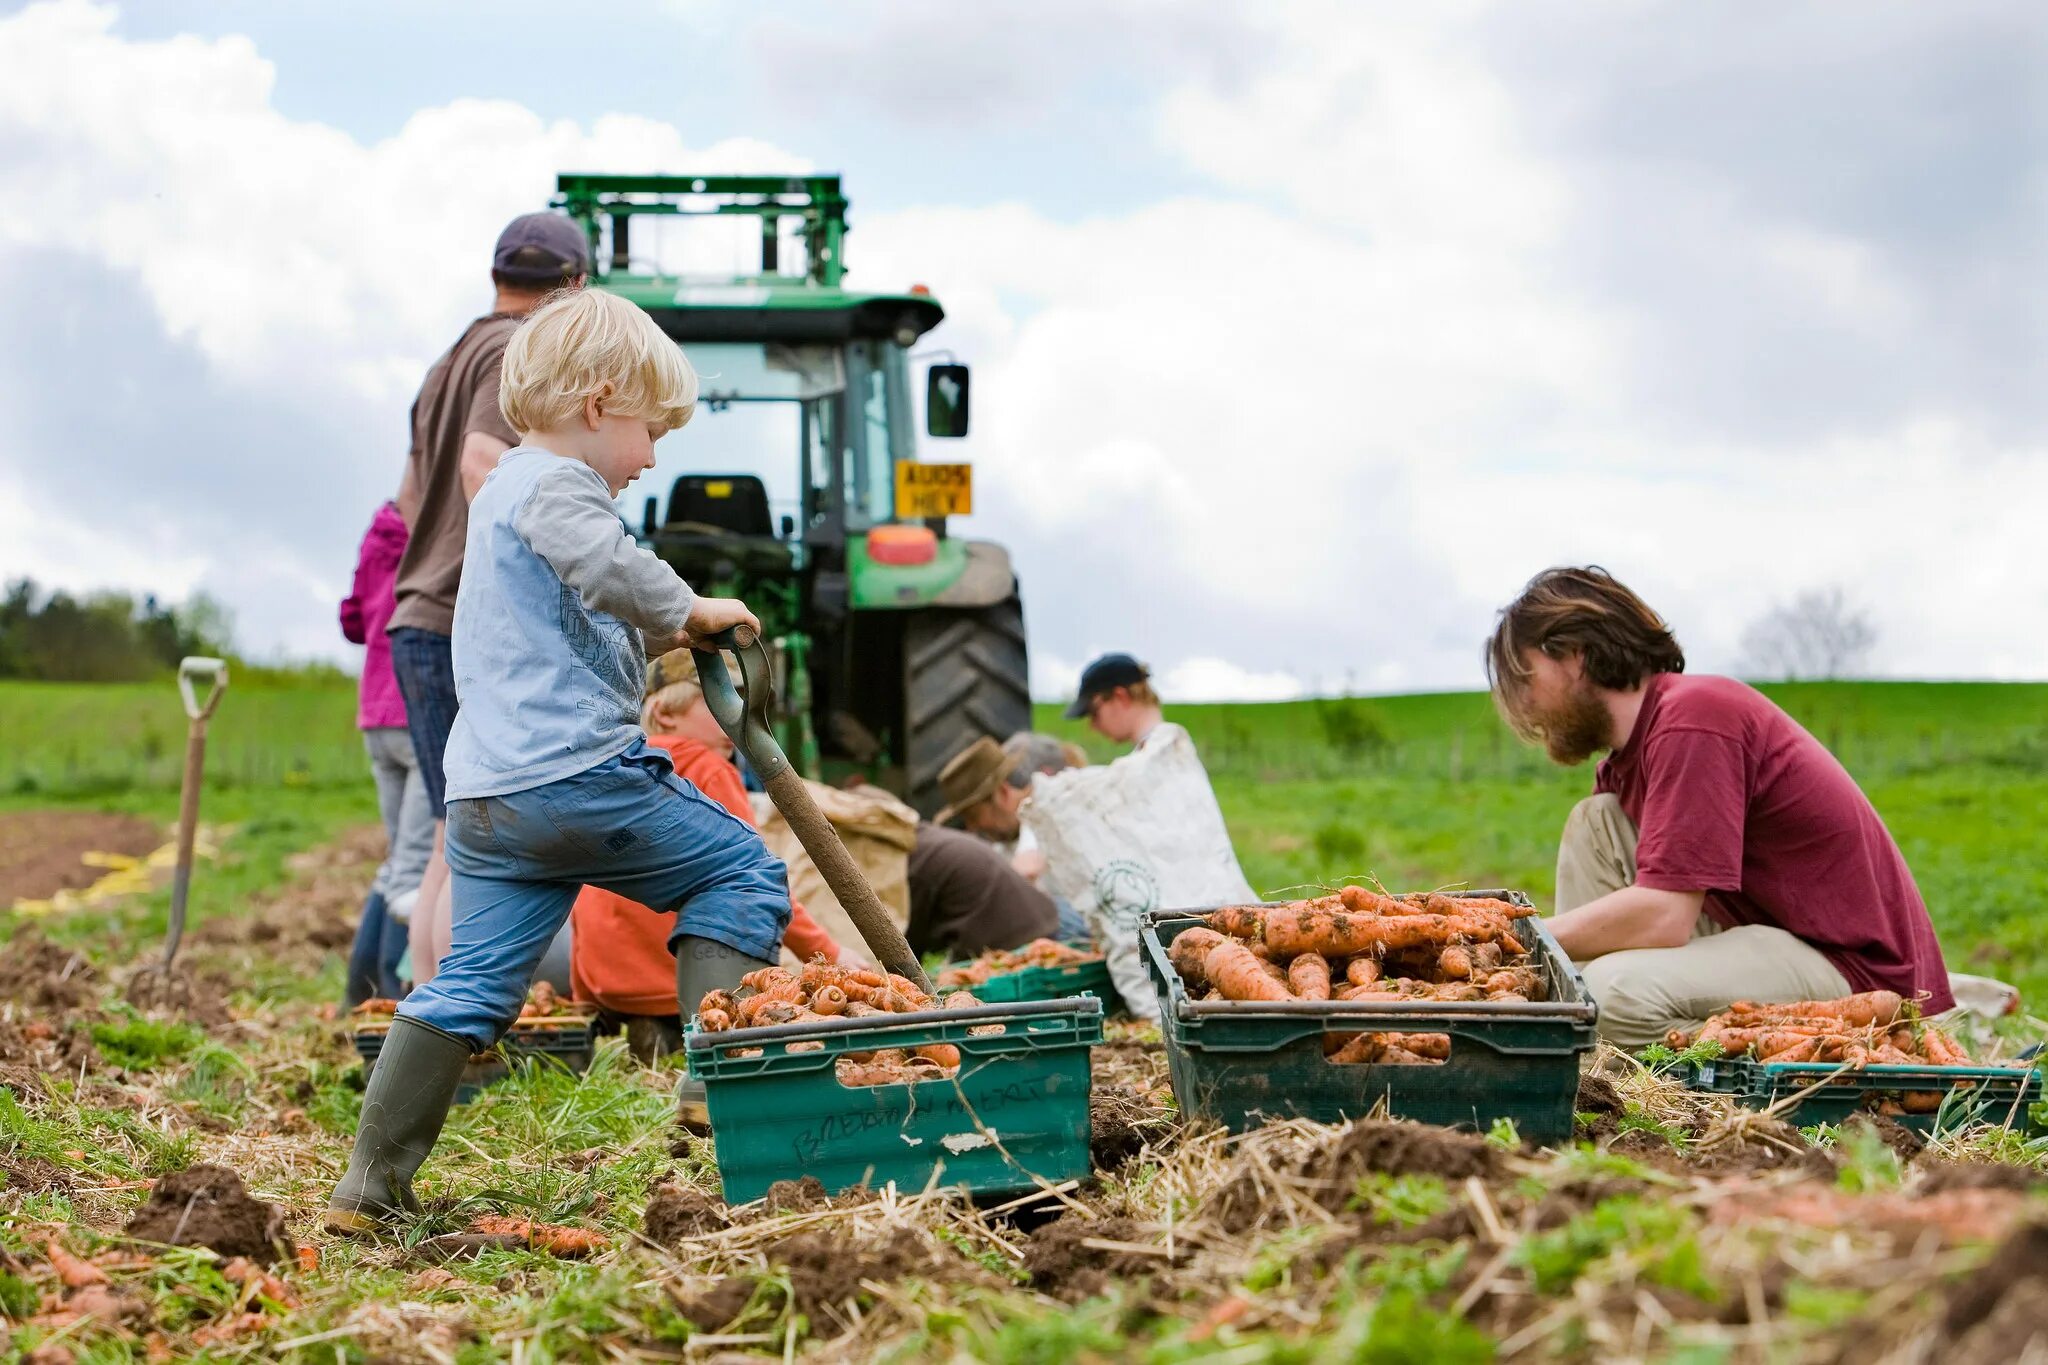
(549, 667)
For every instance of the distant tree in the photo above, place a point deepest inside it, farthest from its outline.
(1819, 634)
(104, 636)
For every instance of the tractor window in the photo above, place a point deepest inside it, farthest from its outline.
(882, 387)
(748, 420)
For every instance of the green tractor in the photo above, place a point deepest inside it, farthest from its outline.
(896, 644)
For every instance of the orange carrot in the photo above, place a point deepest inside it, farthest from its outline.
(1362, 971)
(1455, 962)
(1190, 952)
(1239, 921)
(548, 1237)
(1232, 969)
(1290, 931)
(1360, 1050)
(75, 1274)
(1941, 1049)
(1359, 900)
(1870, 1009)
(1308, 976)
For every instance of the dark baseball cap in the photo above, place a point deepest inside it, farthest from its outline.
(541, 249)
(1106, 674)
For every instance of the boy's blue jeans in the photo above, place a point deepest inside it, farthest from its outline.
(628, 825)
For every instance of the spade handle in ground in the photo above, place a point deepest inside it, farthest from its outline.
(215, 671)
(745, 720)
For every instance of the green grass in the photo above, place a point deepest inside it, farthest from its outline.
(80, 741)
(1419, 791)
(1959, 771)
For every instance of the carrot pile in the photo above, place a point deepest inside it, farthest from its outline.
(821, 991)
(1358, 944)
(543, 1001)
(1876, 1026)
(1040, 952)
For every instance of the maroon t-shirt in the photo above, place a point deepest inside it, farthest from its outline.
(1732, 797)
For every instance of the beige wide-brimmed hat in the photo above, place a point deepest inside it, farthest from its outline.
(971, 777)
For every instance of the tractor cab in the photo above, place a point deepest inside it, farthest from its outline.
(797, 484)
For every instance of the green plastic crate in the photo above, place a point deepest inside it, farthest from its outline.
(1241, 1064)
(1978, 1094)
(1016, 1114)
(1048, 983)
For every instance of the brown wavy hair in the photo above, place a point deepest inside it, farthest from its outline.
(1587, 612)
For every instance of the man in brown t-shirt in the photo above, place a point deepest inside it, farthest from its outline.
(458, 433)
(1725, 855)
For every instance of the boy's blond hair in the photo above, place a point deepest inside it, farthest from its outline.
(585, 341)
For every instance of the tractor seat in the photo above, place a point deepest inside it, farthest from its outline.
(730, 504)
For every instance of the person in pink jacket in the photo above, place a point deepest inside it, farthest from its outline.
(401, 792)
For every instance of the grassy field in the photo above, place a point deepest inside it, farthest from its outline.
(1297, 1246)
(1419, 790)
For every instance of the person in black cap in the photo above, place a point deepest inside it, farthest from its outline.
(1117, 701)
(458, 433)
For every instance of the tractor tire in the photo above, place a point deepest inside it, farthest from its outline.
(965, 675)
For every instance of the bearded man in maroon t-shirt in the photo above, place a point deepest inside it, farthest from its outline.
(1724, 855)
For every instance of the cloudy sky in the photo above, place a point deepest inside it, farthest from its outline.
(1303, 332)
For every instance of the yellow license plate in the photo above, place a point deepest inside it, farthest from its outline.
(933, 490)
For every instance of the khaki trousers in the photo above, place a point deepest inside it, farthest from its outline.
(1644, 993)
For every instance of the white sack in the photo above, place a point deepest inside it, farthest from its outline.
(1140, 834)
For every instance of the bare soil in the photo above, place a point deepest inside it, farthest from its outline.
(41, 850)
(676, 1213)
(1062, 1263)
(45, 977)
(2000, 1314)
(826, 1269)
(208, 1206)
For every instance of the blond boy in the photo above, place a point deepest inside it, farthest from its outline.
(551, 782)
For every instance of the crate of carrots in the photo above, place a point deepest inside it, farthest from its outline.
(1450, 1008)
(857, 1077)
(1043, 969)
(1831, 1058)
(548, 1026)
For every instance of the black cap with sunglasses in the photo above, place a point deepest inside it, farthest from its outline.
(1102, 677)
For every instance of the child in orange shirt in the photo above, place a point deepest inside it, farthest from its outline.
(619, 956)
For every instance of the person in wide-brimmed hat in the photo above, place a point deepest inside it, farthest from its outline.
(986, 785)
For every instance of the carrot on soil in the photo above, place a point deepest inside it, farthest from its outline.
(549, 1237)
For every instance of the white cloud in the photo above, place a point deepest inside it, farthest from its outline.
(1208, 678)
(1312, 425)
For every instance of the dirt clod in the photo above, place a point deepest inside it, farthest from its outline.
(1063, 1264)
(45, 976)
(719, 1305)
(1328, 1170)
(676, 1213)
(208, 1206)
(801, 1195)
(826, 1270)
(1904, 1142)
(1597, 1095)
(1978, 1175)
(2000, 1314)
(1122, 1121)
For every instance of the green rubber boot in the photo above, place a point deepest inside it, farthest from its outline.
(411, 1089)
(703, 965)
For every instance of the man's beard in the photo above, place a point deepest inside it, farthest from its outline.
(1577, 729)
